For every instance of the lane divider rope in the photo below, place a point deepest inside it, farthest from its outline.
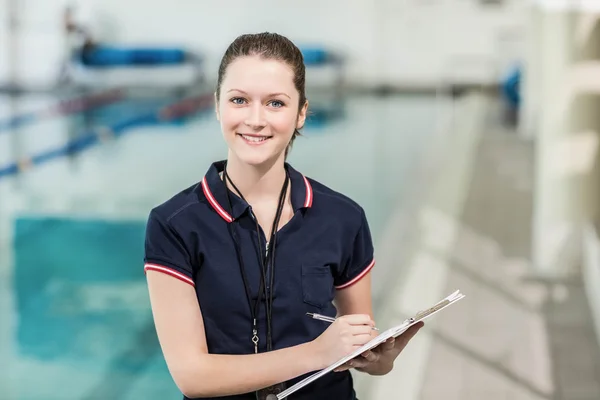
(101, 134)
(63, 107)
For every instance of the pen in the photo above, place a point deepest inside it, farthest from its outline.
(326, 318)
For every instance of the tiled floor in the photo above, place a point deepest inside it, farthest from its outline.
(511, 337)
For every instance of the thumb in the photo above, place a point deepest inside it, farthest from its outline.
(411, 332)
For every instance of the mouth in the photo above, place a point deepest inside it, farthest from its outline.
(254, 139)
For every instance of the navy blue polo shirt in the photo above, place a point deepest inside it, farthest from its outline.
(326, 246)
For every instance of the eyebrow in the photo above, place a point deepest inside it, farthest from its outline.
(270, 94)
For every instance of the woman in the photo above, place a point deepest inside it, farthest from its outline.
(255, 246)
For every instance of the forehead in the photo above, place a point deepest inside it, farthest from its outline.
(254, 73)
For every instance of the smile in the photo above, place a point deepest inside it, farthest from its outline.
(254, 139)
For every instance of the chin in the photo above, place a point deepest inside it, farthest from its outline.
(255, 158)
(257, 155)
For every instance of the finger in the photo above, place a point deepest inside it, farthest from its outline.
(412, 331)
(403, 339)
(370, 356)
(359, 340)
(362, 330)
(388, 344)
(346, 366)
(360, 363)
(358, 319)
(341, 368)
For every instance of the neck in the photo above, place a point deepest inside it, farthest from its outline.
(257, 183)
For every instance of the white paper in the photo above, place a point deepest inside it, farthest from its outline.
(382, 337)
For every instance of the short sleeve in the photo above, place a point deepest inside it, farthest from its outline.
(165, 251)
(361, 257)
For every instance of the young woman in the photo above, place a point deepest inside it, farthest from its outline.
(235, 262)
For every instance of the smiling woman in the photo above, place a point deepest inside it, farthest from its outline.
(261, 97)
(228, 329)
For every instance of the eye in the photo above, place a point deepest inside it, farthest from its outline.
(237, 100)
(277, 103)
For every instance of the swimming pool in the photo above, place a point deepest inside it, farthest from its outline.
(74, 316)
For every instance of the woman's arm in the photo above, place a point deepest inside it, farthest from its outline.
(197, 373)
(180, 331)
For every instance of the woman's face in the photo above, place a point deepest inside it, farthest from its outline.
(258, 109)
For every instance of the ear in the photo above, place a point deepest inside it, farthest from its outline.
(217, 107)
(302, 116)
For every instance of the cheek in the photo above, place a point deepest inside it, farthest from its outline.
(284, 121)
(230, 117)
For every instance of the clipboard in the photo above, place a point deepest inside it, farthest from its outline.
(382, 337)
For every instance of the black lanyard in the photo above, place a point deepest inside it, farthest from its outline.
(265, 260)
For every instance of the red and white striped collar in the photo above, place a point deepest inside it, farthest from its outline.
(216, 193)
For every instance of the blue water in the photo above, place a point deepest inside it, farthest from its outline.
(75, 322)
(80, 295)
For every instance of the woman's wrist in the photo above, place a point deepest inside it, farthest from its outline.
(312, 357)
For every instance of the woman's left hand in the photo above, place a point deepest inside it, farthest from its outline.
(380, 360)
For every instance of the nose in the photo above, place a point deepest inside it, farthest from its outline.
(255, 118)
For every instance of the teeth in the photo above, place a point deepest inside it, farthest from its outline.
(254, 138)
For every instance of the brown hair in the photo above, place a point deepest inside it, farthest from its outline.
(270, 46)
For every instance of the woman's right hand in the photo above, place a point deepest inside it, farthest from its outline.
(342, 337)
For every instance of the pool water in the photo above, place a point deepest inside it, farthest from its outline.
(75, 321)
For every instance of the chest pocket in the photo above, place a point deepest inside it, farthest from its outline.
(317, 285)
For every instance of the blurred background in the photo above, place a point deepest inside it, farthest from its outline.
(467, 129)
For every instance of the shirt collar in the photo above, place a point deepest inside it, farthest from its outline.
(215, 192)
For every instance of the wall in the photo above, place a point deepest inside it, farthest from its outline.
(397, 42)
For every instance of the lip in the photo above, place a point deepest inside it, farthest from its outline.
(251, 143)
(253, 135)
